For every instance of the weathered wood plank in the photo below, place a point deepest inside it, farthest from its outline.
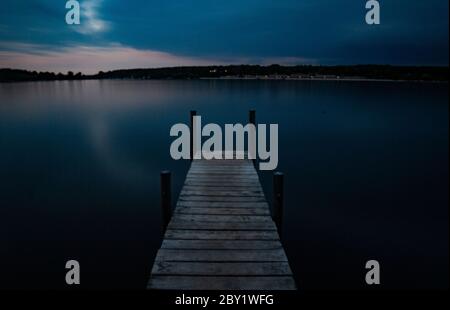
(218, 162)
(212, 168)
(222, 187)
(226, 168)
(221, 198)
(172, 255)
(221, 211)
(223, 204)
(211, 188)
(180, 224)
(238, 171)
(230, 171)
(226, 171)
(222, 174)
(220, 235)
(222, 283)
(235, 183)
(225, 218)
(222, 269)
(222, 178)
(220, 244)
(235, 176)
(228, 193)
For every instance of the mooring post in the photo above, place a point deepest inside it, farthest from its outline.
(193, 113)
(252, 120)
(166, 199)
(278, 200)
(252, 117)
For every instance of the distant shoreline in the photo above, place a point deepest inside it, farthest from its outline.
(371, 73)
(324, 80)
(343, 80)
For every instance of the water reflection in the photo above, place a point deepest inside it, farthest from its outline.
(366, 168)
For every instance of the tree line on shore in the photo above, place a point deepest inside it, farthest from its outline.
(242, 71)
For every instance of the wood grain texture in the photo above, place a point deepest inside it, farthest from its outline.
(222, 283)
(221, 235)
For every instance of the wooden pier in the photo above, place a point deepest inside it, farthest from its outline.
(221, 235)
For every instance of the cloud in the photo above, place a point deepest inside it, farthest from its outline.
(91, 23)
(330, 31)
(91, 59)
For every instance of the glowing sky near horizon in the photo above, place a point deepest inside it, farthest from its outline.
(118, 34)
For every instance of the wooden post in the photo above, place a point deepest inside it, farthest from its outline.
(278, 200)
(252, 117)
(166, 203)
(252, 120)
(193, 113)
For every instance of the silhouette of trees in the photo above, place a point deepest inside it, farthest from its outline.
(242, 71)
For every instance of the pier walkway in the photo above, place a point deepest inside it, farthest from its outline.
(221, 235)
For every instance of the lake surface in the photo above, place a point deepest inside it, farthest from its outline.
(365, 163)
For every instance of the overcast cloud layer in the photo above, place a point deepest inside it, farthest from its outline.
(145, 33)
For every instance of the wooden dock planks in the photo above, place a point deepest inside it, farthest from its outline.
(221, 235)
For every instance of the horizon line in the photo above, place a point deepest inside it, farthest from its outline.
(230, 65)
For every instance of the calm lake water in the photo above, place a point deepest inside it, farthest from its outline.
(365, 163)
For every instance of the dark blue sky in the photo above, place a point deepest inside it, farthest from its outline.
(146, 33)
